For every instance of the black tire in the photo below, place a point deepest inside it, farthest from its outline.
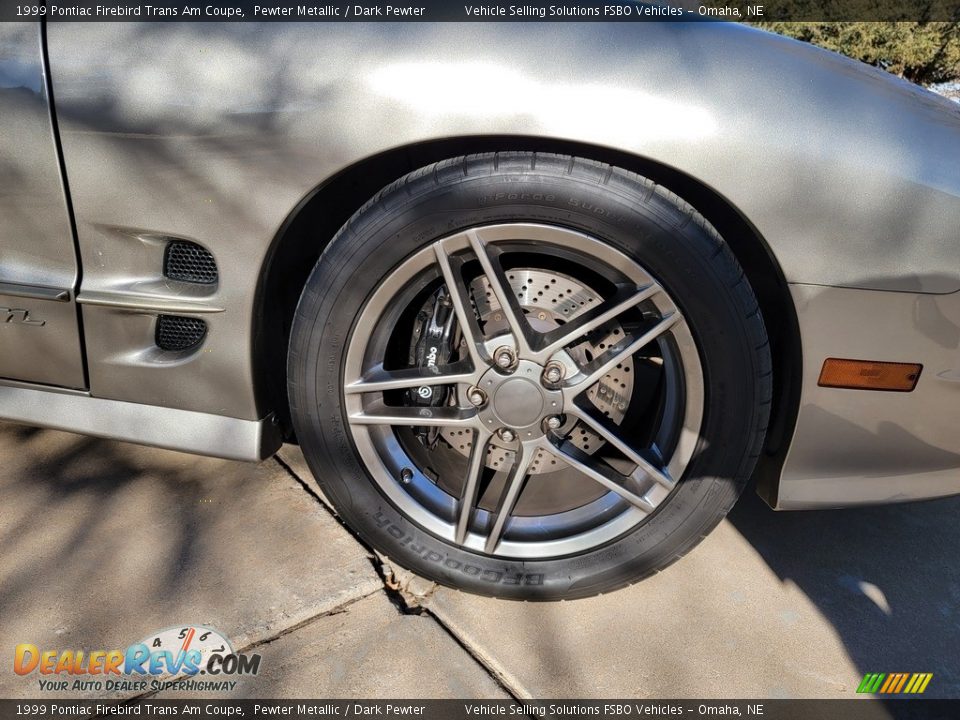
(639, 218)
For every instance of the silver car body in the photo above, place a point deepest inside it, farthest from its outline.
(839, 181)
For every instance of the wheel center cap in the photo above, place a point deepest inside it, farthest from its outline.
(518, 402)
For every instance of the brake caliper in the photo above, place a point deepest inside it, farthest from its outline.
(432, 347)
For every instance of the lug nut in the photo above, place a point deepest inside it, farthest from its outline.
(507, 435)
(553, 373)
(554, 421)
(504, 357)
(476, 396)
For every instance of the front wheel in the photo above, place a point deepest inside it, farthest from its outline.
(529, 376)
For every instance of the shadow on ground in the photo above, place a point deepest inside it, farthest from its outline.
(887, 578)
(103, 543)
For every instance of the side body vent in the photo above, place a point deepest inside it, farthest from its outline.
(176, 333)
(188, 262)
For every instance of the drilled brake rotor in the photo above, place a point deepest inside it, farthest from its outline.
(550, 299)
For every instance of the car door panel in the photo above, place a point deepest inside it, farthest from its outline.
(39, 327)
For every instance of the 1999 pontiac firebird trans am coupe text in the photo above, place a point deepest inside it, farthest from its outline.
(536, 300)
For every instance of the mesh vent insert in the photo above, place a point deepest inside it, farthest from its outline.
(188, 262)
(179, 333)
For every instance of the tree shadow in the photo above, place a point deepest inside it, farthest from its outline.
(104, 542)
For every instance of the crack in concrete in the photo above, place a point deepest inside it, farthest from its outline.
(495, 675)
(339, 609)
(405, 603)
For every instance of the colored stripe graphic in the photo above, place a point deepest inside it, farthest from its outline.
(895, 683)
(871, 682)
(891, 680)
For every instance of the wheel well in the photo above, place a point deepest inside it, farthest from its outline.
(316, 219)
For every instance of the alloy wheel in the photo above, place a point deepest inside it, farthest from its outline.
(564, 352)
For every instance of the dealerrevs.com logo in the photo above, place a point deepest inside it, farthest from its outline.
(169, 659)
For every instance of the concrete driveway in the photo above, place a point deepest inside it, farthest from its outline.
(103, 543)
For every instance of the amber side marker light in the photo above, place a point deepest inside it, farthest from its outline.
(869, 375)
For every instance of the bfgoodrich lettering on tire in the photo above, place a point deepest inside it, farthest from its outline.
(529, 375)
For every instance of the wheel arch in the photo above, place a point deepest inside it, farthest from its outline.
(311, 225)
